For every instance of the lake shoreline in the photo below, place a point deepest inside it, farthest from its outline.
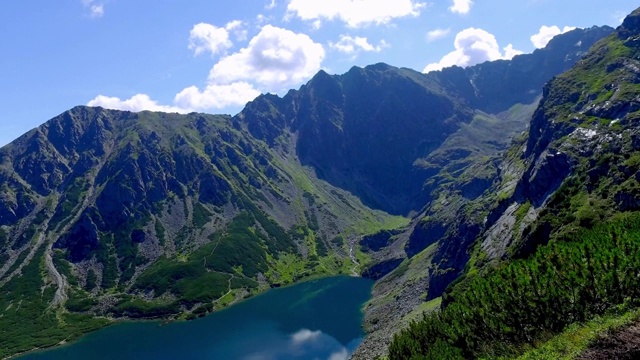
(334, 281)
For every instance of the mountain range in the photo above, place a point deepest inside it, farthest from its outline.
(423, 182)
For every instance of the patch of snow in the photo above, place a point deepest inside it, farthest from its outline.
(586, 133)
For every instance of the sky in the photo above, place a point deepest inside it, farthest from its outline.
(215, 55)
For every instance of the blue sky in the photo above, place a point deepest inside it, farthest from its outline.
(213, 56)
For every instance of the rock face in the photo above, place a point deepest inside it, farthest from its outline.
(365, 141)
(370, 130)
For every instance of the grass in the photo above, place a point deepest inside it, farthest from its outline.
(286, 269)
(577, 337)
(201, 216)
(424, 308)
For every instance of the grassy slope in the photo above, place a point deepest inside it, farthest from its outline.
(578, 337)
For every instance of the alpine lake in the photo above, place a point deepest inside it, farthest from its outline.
(318, 319)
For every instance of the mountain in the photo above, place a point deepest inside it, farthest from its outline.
(560, 245)
(122, 214)
(382, 171)
(370, 130)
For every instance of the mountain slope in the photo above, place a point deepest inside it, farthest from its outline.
(569, 223)
(157, 215)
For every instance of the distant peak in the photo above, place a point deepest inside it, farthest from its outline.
(379, 67)
(321, 74)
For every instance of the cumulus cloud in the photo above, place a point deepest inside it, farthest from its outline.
(473, 46)
(96, 9)
(216, 96)
(275, 58)
(208, 38)
(353, 44)
(436, 34)
(546, 33)
(510, 52)
(305, 335)
(354, 13)
(461, 6)
(137, 102)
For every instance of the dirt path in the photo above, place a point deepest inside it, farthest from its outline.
(622, 344)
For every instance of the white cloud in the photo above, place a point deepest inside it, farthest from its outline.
(275, 58)
(351, 45)
(137, 102)
(473, 46)
(510, 52)
(305, 335)
(208, 38)
(354, 13)
(238, 28)
(546, 33)
(436, 34)
(96, 9)
(216, 96)
(461, 6)
(271, 5)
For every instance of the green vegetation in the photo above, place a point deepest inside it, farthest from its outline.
(201, 216)
(206, 274)
(80, 301)
(138, 308)
(92, 279)
(589, 273)
(3, 238)
(160, 232)
(26, 318)
(72, 197)
(190, 281)
(64, 267)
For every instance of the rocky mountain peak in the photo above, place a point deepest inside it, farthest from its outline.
(630, 28)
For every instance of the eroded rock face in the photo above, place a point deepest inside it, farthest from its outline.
(546, 175)
(425, 234)
(381, 269)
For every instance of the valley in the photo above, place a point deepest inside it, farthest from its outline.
(466, 194)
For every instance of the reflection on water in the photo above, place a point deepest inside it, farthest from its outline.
(315, 320)
(304, 344)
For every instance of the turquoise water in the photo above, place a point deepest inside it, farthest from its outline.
(319, 319)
